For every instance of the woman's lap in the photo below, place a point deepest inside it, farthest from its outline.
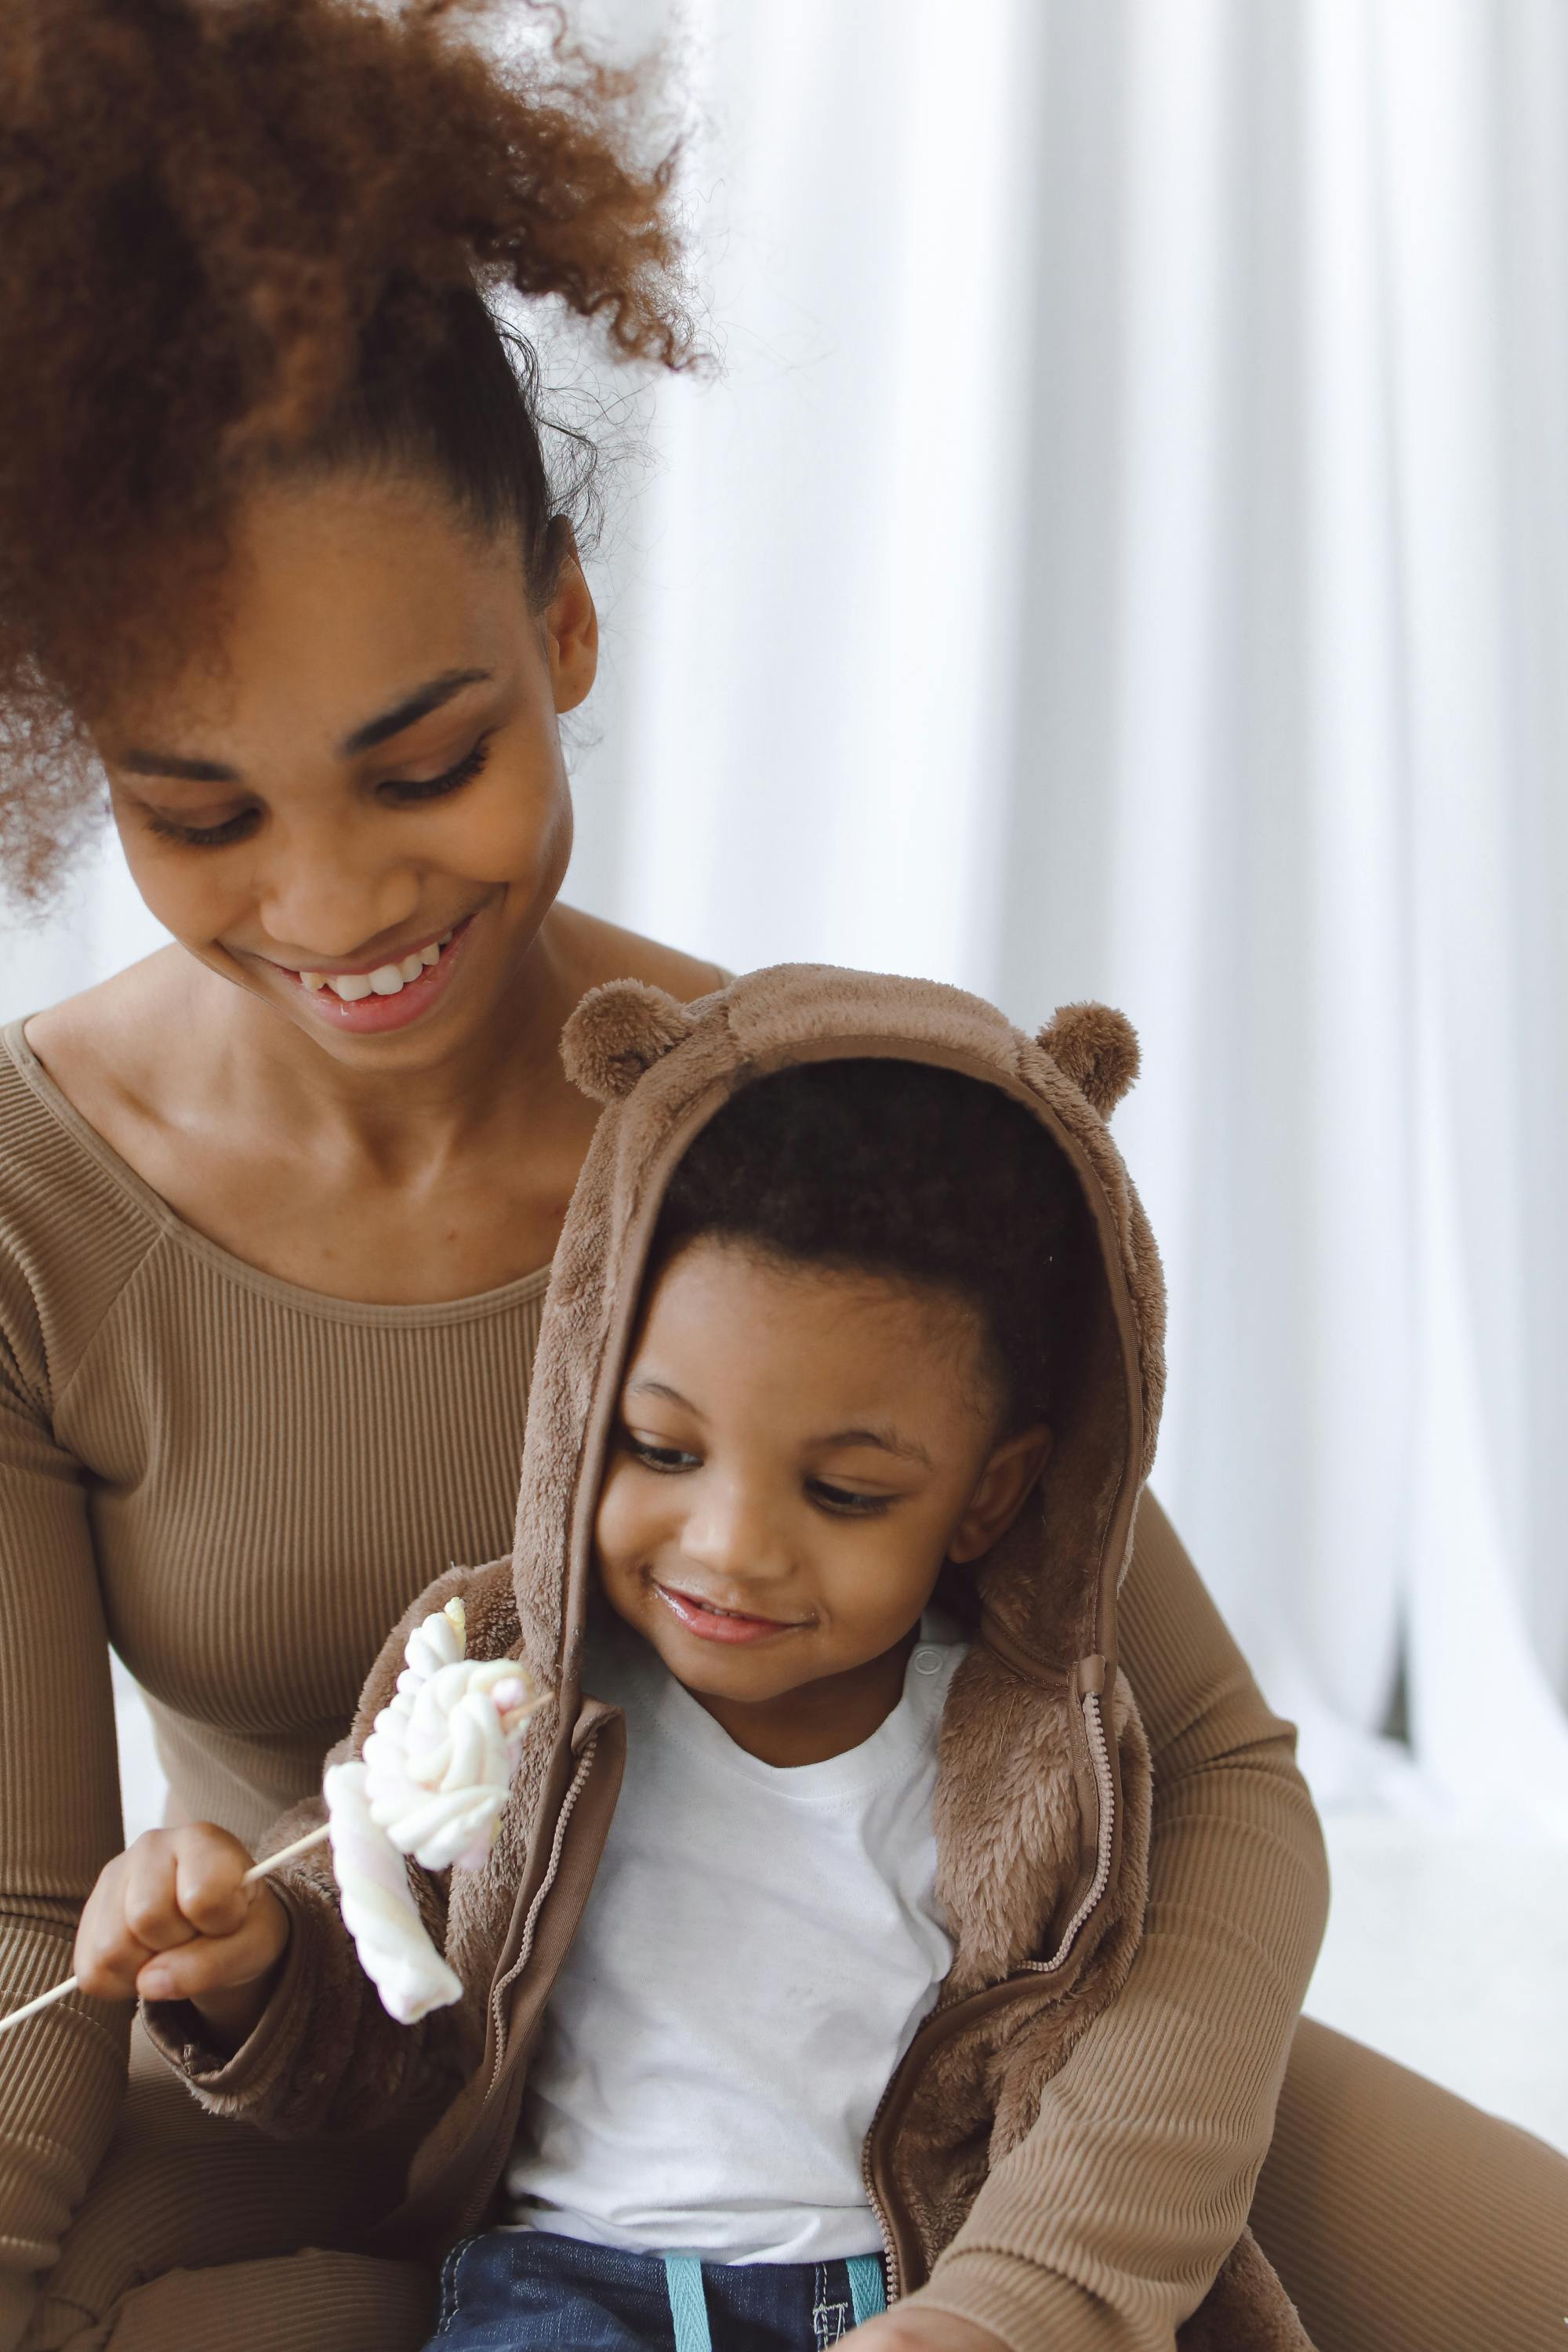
(1400, 2219)
(1403, 2219)
(196, 2229)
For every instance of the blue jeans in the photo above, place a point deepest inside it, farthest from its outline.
(516, 2290)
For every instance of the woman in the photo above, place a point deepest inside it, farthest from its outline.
(278, 546)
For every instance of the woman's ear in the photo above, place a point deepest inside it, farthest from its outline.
(1000, 1493)
(571, 627)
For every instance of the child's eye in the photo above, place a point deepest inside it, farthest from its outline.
(658, 1457)
(843, 1500)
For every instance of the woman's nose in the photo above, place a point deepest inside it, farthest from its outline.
(319, 896)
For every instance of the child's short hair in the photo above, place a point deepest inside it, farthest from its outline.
(919, 1174)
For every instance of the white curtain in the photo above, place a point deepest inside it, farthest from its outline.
(1126, 555)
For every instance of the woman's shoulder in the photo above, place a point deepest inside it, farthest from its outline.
(74, 1224)
(98, 1047)
(601, 951)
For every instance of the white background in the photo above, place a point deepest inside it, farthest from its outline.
(1126, 555)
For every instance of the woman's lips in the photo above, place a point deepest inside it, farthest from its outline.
(373, 1012)
(712, 1626)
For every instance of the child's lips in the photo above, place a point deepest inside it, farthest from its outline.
(716, 1625)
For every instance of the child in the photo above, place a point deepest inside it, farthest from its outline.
(846, 1391)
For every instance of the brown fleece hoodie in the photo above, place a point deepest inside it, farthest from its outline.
(1042, 1805)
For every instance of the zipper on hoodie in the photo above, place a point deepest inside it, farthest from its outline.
(525, 1942)
(1099, 1755)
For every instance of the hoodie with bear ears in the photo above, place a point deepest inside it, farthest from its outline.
(1042, 1805)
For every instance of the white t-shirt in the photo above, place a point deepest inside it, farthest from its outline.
(758, 1946)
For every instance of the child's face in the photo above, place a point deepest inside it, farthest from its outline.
(807, 1447)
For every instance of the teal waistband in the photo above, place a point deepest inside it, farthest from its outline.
(688, 2303)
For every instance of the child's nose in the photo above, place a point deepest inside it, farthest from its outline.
(733, 1533)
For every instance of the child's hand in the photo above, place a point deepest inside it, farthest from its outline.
(169, 1920)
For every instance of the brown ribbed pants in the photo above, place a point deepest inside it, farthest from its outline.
(1400, 2219)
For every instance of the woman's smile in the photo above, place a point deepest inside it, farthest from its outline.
(368, 999)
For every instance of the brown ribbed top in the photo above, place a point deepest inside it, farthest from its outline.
(240, 1485)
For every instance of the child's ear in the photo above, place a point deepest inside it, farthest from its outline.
(1001, 1493)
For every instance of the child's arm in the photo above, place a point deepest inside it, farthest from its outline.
(172, 1919)
(307, 2048)
(323, 2054)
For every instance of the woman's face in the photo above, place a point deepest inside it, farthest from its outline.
(363, 823)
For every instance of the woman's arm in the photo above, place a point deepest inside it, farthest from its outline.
(1104, 2229)
(62, 2075)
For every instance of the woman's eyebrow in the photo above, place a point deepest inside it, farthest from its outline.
(413, 706)
(417, 705)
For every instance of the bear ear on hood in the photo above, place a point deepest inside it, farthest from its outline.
(1097, 1049)
(616, 1033)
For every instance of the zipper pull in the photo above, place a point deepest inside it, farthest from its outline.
(1089, 1677)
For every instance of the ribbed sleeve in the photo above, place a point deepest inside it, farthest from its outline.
(242, 1485)
(1104, 2229)
(61, 2077)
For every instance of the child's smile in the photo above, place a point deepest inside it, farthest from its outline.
(702, 1616)
(800, 1450)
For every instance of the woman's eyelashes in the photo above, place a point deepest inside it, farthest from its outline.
(402, 792)
(202, 836)
(408, 790)
(844, 1502)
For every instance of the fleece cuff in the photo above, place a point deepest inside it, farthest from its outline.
(227, 2082)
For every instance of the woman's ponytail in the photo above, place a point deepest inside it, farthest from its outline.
(246, 235)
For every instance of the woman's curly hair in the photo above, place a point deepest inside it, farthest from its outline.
(246, 237)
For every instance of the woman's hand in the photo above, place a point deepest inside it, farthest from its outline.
(169, 1920)
(917, 2330)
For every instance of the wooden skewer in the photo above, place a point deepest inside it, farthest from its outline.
(257, 1870)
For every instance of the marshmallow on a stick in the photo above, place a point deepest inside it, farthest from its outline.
(432, 1783)
(440, 1761)
(378, 1907)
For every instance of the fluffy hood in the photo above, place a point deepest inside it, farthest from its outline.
(1042, 1603)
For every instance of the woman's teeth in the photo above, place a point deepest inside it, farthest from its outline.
(387, 980)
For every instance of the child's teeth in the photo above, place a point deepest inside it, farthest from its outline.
(313, 980)
(428, 956)
(412, 966)
(351, 986)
